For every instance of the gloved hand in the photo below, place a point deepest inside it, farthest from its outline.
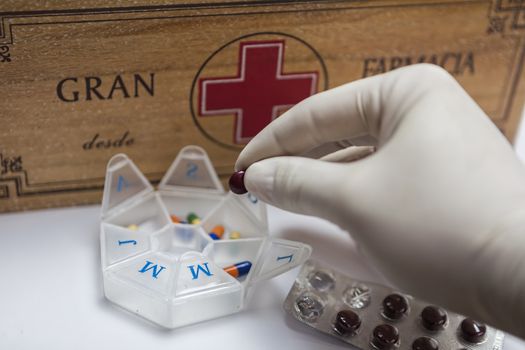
(439, 207)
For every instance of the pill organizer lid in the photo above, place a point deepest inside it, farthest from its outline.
(279, 256)
(192, 171)
(253, 204)
(124, 183)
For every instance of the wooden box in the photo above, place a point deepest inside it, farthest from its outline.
(81, 81)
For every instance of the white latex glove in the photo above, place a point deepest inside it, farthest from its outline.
(439, 208)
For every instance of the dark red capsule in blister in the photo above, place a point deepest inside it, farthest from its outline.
(385, 337)
(347, 323)
(395, 306)
(433, 318)
(425, 343)
(473, 331)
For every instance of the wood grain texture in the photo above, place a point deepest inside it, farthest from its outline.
(172, 46)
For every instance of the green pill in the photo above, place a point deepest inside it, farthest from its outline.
(193, 219)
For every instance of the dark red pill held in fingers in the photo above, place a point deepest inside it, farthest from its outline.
(237, 182)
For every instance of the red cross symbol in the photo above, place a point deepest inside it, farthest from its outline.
(259, 92)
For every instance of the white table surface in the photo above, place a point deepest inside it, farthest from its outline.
(51, 294)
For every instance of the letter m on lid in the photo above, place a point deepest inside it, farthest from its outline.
(195, 270)
(155, 269)
(260, 91)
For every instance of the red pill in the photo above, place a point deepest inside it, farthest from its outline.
(385, 337)
(237, 182)
(395, 306)
(433, 318)
(473, 331)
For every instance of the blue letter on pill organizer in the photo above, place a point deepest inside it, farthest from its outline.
(252, 198)
(289, 257)
(205, 270)
(149, 266)
(127, 242)
(121, 182)
(191, 172)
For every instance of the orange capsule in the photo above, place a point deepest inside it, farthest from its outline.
(217, 232)
(175, 219)
(240, 269)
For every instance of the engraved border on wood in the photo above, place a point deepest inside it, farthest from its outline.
(6, 15)
(5, 56)
(515, 9)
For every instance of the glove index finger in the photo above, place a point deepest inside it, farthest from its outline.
(348, 111)
(304, 186)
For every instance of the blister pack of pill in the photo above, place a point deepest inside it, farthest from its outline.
(372, 316)
(188, 251)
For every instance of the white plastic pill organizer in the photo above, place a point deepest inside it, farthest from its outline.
(172, 273)
(320, 293)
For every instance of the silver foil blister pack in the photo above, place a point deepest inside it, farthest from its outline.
(372, 316)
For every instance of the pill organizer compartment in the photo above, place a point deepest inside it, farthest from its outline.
(175, 240)
(227, 253)
(234, 218)
(179, 203)
(131, 200)
(119, 243)
(171, 272)
(147, 215)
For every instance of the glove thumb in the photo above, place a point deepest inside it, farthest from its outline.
(303, 185)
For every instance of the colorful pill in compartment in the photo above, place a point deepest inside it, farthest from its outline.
(235, 235)
(175, 219)
(193, 218)
(217, 232)
(133, 227)
(371, 316)
(239, 269)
